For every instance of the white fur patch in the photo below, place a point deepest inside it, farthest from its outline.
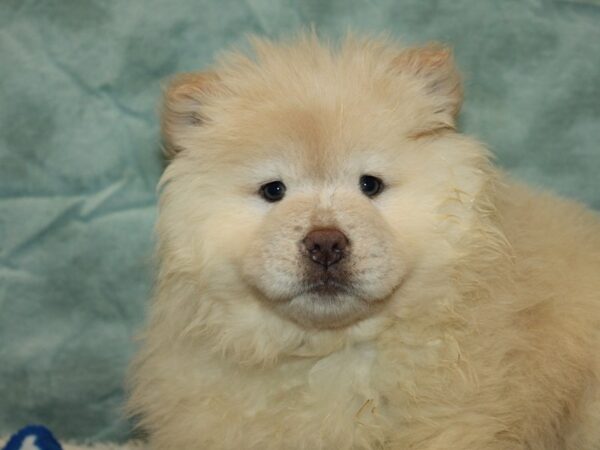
(29, 443)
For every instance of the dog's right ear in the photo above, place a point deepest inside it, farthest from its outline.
(433, 66)
(182, 107)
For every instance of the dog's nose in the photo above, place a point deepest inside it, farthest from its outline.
(325, 246)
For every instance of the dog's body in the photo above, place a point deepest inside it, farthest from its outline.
(456, 309)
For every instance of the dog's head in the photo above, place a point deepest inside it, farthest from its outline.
(318, 181)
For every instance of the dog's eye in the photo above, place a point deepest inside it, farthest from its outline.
(370, 185)
(273, 191)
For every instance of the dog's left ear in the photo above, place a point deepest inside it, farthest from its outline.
(433, 65)
(183, 102)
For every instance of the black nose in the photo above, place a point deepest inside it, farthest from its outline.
(325, 246)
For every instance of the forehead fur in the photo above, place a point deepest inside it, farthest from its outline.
(324, 97)
(308, 68)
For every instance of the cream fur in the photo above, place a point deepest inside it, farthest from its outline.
(130, 446)
(474, 323)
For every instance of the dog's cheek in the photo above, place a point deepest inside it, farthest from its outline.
(272, 262)
(379, 259)
(221, 240)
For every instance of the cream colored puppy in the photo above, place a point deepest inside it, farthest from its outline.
(341, 269)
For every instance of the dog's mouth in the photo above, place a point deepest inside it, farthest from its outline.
(327, 300)
(328, 285)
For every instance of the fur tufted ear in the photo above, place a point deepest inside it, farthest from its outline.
(182, 107)
(433, 65)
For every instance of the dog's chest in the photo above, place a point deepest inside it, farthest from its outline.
(334, 391)
(344, 377)
(351, 398)
(360, 385)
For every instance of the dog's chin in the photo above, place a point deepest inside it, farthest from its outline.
(326, 306)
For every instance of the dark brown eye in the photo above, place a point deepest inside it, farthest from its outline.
(273, 191)
(370, 185)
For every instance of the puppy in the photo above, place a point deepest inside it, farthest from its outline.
(340, 268)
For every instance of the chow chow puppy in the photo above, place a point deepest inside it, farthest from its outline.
(340, 268)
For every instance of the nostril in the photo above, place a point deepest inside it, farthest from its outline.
(325, 246)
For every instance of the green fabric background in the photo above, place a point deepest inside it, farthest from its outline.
(79, 155)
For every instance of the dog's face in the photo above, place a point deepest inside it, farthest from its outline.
(317, 183)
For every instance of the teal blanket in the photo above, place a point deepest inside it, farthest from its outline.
(79, 155)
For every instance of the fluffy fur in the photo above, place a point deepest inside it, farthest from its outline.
(129, 446)
(473, 318)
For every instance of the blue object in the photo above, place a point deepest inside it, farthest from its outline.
(33, 437)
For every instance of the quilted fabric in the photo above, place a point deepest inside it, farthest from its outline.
(79, 155)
